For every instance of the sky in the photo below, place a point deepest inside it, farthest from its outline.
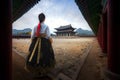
(58, 13)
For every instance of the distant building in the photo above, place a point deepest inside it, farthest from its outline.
(67, 30)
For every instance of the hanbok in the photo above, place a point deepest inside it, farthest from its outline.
(41, 56)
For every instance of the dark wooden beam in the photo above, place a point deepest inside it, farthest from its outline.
(113, 68)
(5, 41)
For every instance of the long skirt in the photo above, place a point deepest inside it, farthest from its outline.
(41, 56)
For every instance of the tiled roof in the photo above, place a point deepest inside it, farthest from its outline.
(65, 31)
(65, 27)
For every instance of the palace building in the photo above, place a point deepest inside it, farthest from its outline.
(66, 30)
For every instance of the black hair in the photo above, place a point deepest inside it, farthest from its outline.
(41, 17)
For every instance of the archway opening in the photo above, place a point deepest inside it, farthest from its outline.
(70, 16)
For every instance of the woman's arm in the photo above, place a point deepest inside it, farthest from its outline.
(51, 40)
(43, 34)
(49, 34)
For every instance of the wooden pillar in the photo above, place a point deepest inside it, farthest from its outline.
(99, 36)
(66, 34)
(104, 32)
(69, 33)
(5, 41)
(113, 68)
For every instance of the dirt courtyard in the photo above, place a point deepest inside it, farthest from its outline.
(67, 52)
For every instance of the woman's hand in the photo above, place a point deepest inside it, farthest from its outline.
(51, 40)
(43, 35)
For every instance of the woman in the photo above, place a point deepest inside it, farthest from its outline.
(41, 56)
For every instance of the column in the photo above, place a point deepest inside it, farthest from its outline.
(99, 36)
(104, 32)
(5, 41)
(66, 34)
(113, 68)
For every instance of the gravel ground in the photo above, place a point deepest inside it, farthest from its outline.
(67, 54)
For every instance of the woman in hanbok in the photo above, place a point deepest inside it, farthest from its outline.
(40, 59)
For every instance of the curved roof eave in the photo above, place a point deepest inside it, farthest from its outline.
(91, 10)
(20, 7)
